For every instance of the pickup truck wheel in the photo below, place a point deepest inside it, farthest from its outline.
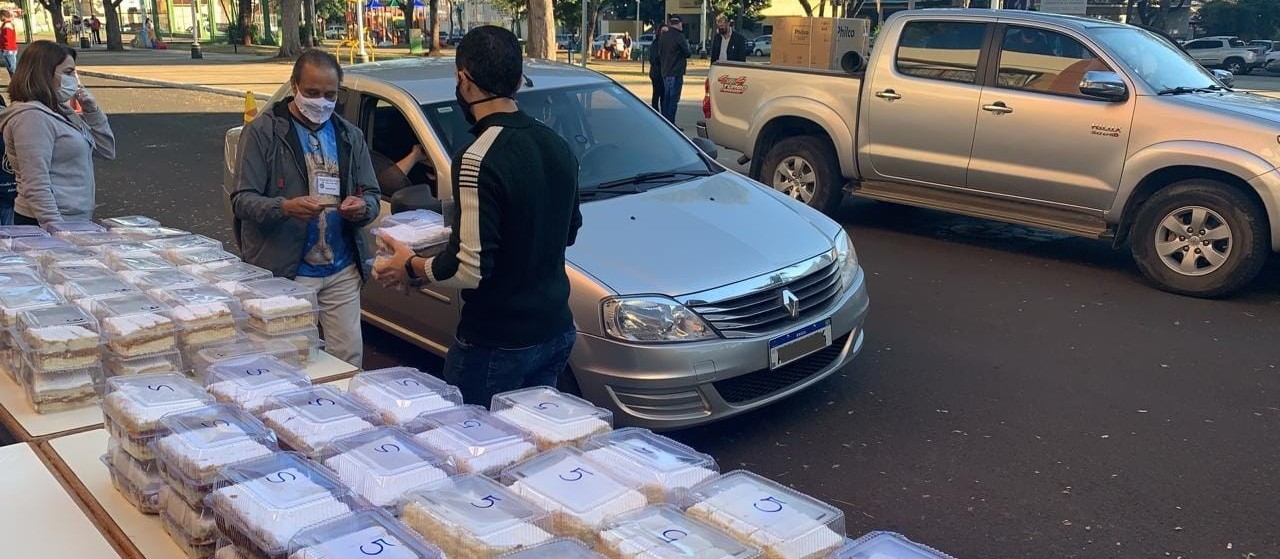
(1200, 238)
(1235, 66)
(805, 168)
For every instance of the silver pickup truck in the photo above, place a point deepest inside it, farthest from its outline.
(697, 293)
(1077, 125)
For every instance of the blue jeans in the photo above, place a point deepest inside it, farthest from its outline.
(671, 96)
(482, 372)
(6, 213)
(11, 61)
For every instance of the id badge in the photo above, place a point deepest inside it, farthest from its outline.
(328, 186)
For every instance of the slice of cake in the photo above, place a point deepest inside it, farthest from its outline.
(280, 314)
(195, 523)
(474, 517)
(58, 348)
(139, 334)
(204, 323)
(61, 391)
(384, 464)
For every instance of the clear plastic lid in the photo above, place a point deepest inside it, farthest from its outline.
(561, 548)
(198, 296)
(206, 357)
(66, 256)
(306, 344)
(97, 287)
(384, 464)
(136, 403)
(53, 390)
(199, 255)
(664, 469)
(663, 531)
(279, 287)
(264, 503)
(478, 516)
(401, 394)
(130, 221)
(582, 494)
(17, 298)
(60, 337)
(887, 545)
(127, 247)
(187, 242)
(55, 317)
(21, 231)
(93, 238)
(248, 380)
(236, 272)
(360, 535)
(785, 522)
(80, 270)
(150, 233)
(418, 229)
(128, 304)
(33, 244)
(556, 419)
(137, 262)
(478, 441)
(161, 279)
(57, 227)
(139, 479)
(14, 277)
(13, 260)
(200, 442)
(307, 419)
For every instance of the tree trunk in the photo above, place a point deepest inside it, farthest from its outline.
(266, 22)
(246, 22)
(807, 7)
(111, 12)
(822, 8)
(54, 7)
(542, 29)
(433, 27)
(290, 17)
(309, 23)
(593, 18)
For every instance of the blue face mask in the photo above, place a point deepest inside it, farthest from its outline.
(68, 88)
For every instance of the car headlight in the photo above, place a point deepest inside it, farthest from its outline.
(653, 319)
(847, 257)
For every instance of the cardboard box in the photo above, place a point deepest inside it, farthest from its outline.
(850, 45)
(819, 43)
(792, 37)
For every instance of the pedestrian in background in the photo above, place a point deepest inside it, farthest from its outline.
(728, 44)
(626, 46)
(95, 25)
(9, 41)
(304, 188)
(49, 145)
(655, 70)
(673, 53)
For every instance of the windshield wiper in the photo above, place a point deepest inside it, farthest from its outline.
(1182, 89)
(637, 180)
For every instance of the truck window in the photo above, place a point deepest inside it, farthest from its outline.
(1044, 61)
(1202, 45)
(941, 50)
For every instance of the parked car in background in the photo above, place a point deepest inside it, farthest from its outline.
(697, 293)
(1273, 61)
(600, 40)
(1263, 47)
(1228, 53)
(1085, 127)
(335, 31)
(563, 42)
(762, 45)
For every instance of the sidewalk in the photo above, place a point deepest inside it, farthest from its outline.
(234, 74)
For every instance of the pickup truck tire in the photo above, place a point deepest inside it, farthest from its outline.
(1200, 238)
(1235, 66)
(806, 169)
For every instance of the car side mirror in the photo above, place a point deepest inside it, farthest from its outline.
(708, 147)
(1227, 78)
(1108, 86)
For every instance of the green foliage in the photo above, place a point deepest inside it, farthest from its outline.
(1250, 19)
(333, 10)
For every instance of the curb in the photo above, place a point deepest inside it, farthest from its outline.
(172, 85)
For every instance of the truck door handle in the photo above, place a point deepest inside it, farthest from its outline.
(998, 108)
(888, 95)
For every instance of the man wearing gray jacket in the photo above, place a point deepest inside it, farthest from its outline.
(304, 188)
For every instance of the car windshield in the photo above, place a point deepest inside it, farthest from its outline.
(614, 136)
(1155, 60)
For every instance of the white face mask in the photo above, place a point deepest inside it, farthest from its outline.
(316, 110)
(68, 88)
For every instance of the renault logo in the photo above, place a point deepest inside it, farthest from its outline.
(791, 303)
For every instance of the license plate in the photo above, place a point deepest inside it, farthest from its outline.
(799, 344)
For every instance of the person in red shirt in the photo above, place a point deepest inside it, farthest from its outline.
(95, 26)
(8, 41)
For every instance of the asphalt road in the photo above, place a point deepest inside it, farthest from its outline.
(1021, 394)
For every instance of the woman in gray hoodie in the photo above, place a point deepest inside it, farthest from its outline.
(50, 147)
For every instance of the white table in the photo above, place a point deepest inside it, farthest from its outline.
(26, 425)
(38, 518)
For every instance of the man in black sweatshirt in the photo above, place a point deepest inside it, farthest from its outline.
(673, 56)
(516, 185)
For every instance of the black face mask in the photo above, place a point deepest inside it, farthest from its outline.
(467, 113)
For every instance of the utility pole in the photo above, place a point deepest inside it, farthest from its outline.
(361, 55)
(584, 42)
(195, 30)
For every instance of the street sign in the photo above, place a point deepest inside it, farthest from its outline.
(1069, 7)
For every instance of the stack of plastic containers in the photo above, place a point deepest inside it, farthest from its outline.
(423, 231)
(282, 310)
(663, 531)
(557, 549)
(308, 419)
(205, 316)
(473, 516)
(132, 410)
(20, 291)
(196, 260)
(663, 469)
(365, 533)
(249, 380)
(231, 277)
(196, 446)
(384, 464)
(205, 358)
(579, 495)
(478, 442)
(784, 523)
(401, 394)
(259, 506)
(555, 419)
(61, 353)
(141, 337)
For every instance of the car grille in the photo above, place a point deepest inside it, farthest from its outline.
(680, 404)
(762, 312)
(765, 382)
